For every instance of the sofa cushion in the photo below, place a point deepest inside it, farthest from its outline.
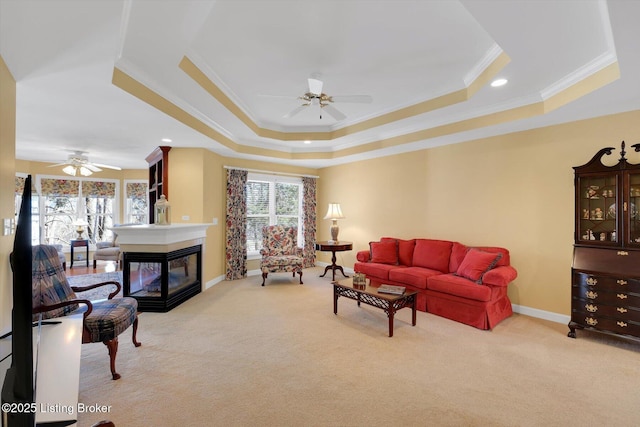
(405, 249)
(375, 270)
(458, 252)
(432, 254)
(384, 252)
(458, 286)
(476, 263)
(412, 276)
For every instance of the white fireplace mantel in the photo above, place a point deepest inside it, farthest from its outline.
(158, 238)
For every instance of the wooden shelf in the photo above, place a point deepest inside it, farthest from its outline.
(158, 177)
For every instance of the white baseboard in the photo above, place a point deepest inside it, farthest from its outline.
(213, 282)
(541, 314)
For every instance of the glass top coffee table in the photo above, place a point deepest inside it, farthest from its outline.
(369, 295)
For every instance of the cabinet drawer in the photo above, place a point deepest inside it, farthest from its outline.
(613, 283)
(622, 299)
(620, 312)
(613, 261)
(617, 326)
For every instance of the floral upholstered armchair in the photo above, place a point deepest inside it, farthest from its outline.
(280, 251)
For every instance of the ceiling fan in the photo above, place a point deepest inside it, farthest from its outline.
(315, 96)
(78, 163)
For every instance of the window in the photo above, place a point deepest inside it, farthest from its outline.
(65, 202)
(136, 202)
(272, 200)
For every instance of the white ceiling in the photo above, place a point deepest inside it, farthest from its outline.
(260, 53)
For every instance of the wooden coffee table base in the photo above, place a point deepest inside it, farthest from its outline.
(390, 304)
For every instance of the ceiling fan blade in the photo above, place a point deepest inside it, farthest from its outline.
(263, 95)
(333, 112)
(91, 167)
(58, 164)
(315, 86)
(361, 99)
(107, 166)
(295, 111)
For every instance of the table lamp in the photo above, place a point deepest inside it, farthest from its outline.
(334, 213)
(80, 224)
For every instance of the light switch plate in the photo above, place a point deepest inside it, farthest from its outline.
(9, 226)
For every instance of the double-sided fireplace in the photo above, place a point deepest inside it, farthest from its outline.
(161, 281)
(162, 265)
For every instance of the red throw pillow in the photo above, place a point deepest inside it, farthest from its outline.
(476, 263)
(384, 252)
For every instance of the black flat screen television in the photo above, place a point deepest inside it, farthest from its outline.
(18, 386)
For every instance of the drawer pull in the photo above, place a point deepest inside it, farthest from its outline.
(591, 321)
(592, 295)
(621, 324)
(621, 296)
(622, 309)
(623, 253)
(591, 308)
(591, 281)
(621, 282)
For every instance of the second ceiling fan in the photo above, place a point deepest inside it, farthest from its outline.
(315, 96)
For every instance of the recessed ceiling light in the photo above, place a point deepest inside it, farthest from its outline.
(499, 82)
(307, 142)
(166, 139)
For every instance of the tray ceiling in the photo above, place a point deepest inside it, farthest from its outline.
(114, 78)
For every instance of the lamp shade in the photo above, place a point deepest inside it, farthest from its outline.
(334, 212)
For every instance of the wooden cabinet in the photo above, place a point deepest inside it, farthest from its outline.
(605, 275)
(158, 177)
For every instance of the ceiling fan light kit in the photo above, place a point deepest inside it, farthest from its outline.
(73, 170)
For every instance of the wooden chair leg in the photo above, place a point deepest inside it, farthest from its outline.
(300, 273)
(264, 277)
(112, 345)
(135, 333)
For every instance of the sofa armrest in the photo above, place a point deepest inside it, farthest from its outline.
(500, 276)
(363, 256)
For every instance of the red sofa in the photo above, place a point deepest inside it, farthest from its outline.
(466, 284)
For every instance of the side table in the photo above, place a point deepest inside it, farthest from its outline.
(76, 244)
(334, 247)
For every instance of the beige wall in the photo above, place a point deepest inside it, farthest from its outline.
(514, 191)
(7, 188)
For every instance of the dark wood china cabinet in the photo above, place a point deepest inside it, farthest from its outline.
(605, 276)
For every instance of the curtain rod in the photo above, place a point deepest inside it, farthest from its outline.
(271, 172)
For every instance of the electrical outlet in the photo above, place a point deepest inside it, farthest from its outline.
(215, 221)
(186, 217)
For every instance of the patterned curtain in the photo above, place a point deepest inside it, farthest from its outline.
(98, 189)
(309, 220)
(137, 190)
(59, 187)
(20, 185)
(236, 220)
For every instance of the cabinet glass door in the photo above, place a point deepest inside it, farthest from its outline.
(597, 214)
(630, 206)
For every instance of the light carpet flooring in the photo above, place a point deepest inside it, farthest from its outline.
(240, 354)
